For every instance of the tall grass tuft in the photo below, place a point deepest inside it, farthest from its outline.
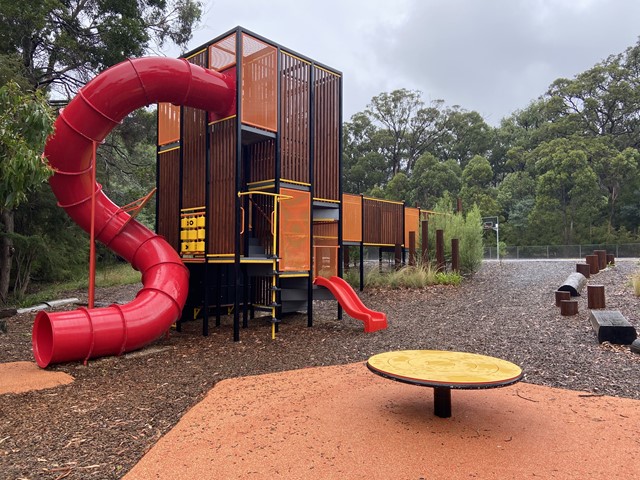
(635, 281)
(418, 276)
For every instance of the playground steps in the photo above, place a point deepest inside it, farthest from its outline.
(293, 294)
(611, 326)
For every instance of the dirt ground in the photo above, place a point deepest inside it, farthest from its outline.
(101, 424)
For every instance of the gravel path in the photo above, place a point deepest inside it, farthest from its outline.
(101, 424)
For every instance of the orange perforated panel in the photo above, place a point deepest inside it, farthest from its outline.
(411, 224)
(222, 54)
(351, 218)
(295, 225)
(168, 123)
(325, 249)
(259, 83)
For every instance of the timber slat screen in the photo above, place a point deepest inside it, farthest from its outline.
(382, 222)
(262, 160)
(194, 149)
(294, 92)
(222, 191)
(168, 220)
(326, 165)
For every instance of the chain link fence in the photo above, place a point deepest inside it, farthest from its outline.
(623, 250)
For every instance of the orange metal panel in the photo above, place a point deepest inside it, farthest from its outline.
(411, 224)
(351, 218)
(222, 54)
(259, 83)
(168, 123)
(325, 249)
(295, 226)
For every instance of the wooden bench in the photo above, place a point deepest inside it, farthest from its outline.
(611, 326)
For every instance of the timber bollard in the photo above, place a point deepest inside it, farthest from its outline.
(592, 260)
(602, 258)
(611, 259)
(562, 295)
(568, 307)
(595, 296)
(584, 269)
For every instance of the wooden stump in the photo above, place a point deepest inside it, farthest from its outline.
(562, 295)
(602, 258)
(611, 259)
(584, 269)
(574, 284)
(568, 307)
(592, 260)
(595, 296)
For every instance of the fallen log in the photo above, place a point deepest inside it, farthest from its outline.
(574, 284)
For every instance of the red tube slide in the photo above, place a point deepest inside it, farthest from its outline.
(99, 106)
(348, 298)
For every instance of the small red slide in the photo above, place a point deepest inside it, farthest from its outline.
(352, 304)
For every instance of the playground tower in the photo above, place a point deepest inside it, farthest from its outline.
(251, 199)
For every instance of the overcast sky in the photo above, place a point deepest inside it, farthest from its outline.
(492, 56)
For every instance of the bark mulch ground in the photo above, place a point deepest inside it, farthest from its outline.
(100, 425)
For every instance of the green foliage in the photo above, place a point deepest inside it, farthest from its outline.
(58, 248)
(64, 42)
(467, 229)
(25, 123)
(476, 186)
(127, 162)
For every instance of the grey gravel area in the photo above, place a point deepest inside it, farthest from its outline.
(100, 425)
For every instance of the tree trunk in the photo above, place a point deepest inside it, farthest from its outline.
(6, 252)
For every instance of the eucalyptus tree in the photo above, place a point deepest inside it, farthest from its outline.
(25, 123)
(432, 179)
(477, 189)
(62, 43)
(407, 127)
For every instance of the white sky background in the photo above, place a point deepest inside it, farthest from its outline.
(492, 56)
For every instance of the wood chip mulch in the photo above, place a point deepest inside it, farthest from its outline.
(100, 425)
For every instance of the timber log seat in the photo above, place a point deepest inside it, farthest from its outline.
(611, 326)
